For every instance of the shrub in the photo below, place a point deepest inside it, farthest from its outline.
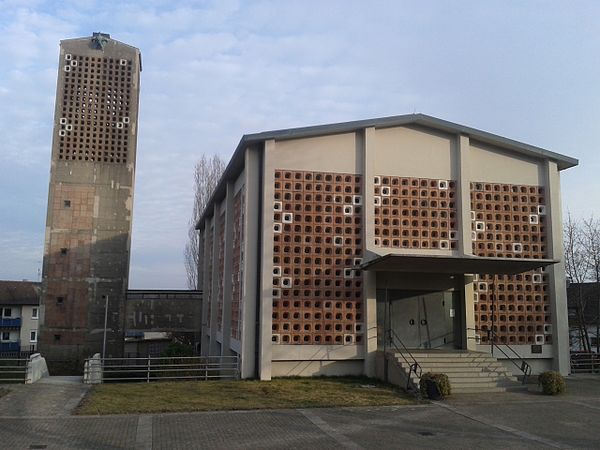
(552, 383)
(178, 349)
(440, 379)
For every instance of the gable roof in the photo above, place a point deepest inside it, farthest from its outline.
(236, 163)
(19, 293)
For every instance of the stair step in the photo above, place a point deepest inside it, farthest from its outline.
(477, 390)
(470, 355)
(464, 362)
(472, 375)
(468, 372)
(465, 371)
(474, 382)
(455, 363)
(460, 364)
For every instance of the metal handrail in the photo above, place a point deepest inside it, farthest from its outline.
(414, 366)
(491, 337)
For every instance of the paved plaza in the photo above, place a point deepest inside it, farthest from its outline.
(38, 417)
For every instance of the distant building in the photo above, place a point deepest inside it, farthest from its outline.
(90, 199)
(322, 242)
(19, 316)
(584, 300)
(156, 318)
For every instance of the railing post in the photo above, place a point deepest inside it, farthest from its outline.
(148, 370)
(490, 336)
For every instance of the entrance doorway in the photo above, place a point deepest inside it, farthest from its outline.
(423, 320)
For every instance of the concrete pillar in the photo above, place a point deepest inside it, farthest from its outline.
(205, 332)
(465, 243)
(227, 277)
(214, 345)
(201, 262)
(251, 263)
(366, 146)
(200, 285)
(370, 322)
(463, 201)
(468, 335)
(368, 193)
(556, 272)
(266, 267)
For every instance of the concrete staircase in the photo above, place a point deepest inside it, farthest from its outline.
(469, 372)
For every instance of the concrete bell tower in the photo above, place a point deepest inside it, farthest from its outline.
(90, 200)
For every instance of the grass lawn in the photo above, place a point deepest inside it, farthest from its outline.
(182, 396)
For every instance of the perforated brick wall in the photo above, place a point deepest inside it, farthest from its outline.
(237, 264)
(318, 229)
(509, 221)
(415, 213)
(94, 111)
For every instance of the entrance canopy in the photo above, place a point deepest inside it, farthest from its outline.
(454, 265)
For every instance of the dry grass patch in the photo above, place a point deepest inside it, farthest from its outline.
(127, 398)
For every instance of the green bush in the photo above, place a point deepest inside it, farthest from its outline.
(177, 349)
(440, 379)
(552, 383)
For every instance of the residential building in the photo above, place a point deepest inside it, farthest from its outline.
(321, 243)
(19, 316)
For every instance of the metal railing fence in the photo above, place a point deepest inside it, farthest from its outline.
(151, 368)
(582, 362)
(13, 370)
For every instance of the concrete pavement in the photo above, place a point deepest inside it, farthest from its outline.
(504, 420)
(49, 397)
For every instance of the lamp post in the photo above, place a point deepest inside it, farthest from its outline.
(105, 322)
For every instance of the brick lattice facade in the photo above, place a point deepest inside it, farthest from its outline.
(318, 232)
(415, 213)
(509, 221)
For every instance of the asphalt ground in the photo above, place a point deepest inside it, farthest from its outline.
(38, 416)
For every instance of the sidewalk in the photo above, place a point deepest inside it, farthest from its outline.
(49, 397)
(509, 420)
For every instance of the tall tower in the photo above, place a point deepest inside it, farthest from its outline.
(88, 223)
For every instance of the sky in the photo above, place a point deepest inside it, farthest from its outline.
(215, 70)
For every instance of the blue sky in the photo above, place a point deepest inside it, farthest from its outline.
(214, 70)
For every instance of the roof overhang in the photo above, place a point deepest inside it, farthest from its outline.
(454, 265)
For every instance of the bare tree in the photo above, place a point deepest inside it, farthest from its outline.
(207, 174)
(578, 269)
(591, 244)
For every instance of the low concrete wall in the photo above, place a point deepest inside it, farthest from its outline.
(538, 365)
(92, 372)
(317, 368)
(36, 368)
(394, 375)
